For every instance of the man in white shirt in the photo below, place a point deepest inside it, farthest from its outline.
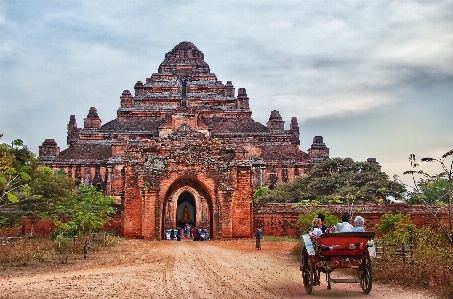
(345, 226)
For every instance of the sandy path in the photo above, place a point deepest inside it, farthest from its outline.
(170, 269)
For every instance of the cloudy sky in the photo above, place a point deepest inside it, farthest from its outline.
(375, 79)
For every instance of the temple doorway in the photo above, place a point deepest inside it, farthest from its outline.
(187, 202)
(186, 209)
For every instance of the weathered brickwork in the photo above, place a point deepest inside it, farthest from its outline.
(275, 219)
(183, 140)
(281, 219)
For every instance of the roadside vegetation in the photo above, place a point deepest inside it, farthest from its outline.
(32, 251)
(428, 266)
(432, 265)
(30, 189)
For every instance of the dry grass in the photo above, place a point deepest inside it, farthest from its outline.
(25, 251)
(433, 273)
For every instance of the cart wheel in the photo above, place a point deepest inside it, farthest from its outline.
(366, 281)
(307, 271)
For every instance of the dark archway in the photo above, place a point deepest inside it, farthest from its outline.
(186, 211)
(188, 190)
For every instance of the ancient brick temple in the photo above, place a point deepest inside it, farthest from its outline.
(183, 148)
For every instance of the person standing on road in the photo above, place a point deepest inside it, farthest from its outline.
(195, 234)
(178, 234)
(258, 236)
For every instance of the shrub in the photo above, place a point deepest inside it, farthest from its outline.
(432, 266)
(297, 249)
(396, 228)
(431, 272)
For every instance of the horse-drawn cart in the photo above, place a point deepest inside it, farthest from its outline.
(338, 250)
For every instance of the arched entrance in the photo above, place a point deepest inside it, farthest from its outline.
(187, 202)
(186, 209)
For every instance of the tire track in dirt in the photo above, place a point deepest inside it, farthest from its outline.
(168, 272)
(217, 285)
(262, 274)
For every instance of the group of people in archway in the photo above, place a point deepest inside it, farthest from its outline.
(190, 231)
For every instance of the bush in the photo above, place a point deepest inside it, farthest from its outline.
(431, 272)
(111, 240)
(297, 249)
(29, 250)
(396, 228)
(432, 266)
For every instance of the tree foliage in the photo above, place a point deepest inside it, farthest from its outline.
(305, 220)
(433, 191)
(17, 163)
(338, 181)
(259, 192)
(26, 187)
(85, 210)
(396, 228)
(430, 189)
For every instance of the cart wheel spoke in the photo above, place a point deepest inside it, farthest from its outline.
(307, 271)
(366, 281)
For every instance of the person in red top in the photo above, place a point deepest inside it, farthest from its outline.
(195, 234)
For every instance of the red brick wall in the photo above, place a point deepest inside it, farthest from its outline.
(281, 219)
(275, 219)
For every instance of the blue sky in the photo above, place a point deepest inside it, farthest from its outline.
(375, 79)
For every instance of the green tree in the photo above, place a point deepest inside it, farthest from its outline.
(25, 185)
(47, 187)
(17, 162)
(433, 191)
(259, 192)
(305, 220)
(81, 213)
(420, 178)
(338, 181)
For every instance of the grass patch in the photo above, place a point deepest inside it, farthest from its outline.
(434, 274)
(279, 239)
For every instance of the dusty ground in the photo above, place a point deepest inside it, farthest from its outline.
(187, 269)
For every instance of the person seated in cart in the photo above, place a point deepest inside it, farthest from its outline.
(317, 227)
(324, 228)
(358, 225)
(343, 227)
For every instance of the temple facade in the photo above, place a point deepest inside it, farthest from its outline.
(183, 149)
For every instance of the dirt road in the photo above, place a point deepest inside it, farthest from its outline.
(187, 269)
